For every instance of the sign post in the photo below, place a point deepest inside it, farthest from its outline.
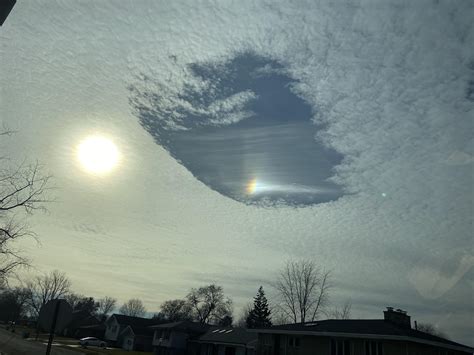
(54, 316)
(53, 326)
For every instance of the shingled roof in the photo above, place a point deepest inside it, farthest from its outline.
(237, 336)
(186, 326)
(142, 331)
(364, 328)
(135, 321)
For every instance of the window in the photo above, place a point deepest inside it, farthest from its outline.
(293, 342)
(114, 328)
(373, 347)
(341, 347)
(292, 345)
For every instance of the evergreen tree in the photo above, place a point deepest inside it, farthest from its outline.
(259, 316)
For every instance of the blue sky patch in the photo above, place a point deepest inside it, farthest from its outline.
(238, 126)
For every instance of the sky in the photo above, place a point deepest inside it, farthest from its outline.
(250, 133)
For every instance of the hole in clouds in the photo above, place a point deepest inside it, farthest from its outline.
(238, 126)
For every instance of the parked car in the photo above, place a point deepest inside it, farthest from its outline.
(91, 341)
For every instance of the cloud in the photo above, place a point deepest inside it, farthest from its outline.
(264, 187)
(238, 119)
(433, 283)
(387, 85)
(188, 101)
(459, 158)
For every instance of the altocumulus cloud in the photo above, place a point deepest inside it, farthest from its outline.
(389, 90)
(238, 126)
(387, 86)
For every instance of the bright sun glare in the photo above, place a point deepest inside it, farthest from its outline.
(97, 154)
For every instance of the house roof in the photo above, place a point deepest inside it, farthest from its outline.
(100, 326)
(134, 321)
(80, 314)
(80, 318)
(186, 326)
(138, 331)
(377, 328)
(229, 336)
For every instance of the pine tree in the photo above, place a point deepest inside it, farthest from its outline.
(259, 316)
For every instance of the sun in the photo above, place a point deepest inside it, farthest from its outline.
(97, 154)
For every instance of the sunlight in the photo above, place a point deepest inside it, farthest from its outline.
(97, 154)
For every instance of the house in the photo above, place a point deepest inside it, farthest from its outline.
(392, 335)
(226, 341)
(116, 323)
(174, 338)
(94, 330)
(79, 318)
(137, 338)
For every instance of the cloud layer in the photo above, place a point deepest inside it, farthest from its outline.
(235, 121)
(388, 85)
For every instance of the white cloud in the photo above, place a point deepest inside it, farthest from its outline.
(387, 79)
(432, 283)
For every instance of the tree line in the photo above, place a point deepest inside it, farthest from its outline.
(302, 294)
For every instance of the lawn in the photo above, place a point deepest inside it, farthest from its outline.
(43, 338)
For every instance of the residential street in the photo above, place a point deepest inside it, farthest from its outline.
(13, 344)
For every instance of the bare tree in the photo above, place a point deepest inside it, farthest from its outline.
(430, 329)
(176, 310)
(343, 312)
(242, 320)
(73, 299)
(133, 307)
(47, 287)
(209, 304)
(279, 316)
(22, 190)
(303, 288)
(13, 303)
(82, 303)
(106, 305)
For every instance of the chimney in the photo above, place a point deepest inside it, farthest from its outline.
(399, 317)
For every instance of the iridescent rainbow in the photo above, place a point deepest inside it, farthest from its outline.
(251, 186)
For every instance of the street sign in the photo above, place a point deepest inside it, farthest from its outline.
(5, 7)
(46, 315)
(54, 316)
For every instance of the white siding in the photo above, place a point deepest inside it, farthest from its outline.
(112, 330)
